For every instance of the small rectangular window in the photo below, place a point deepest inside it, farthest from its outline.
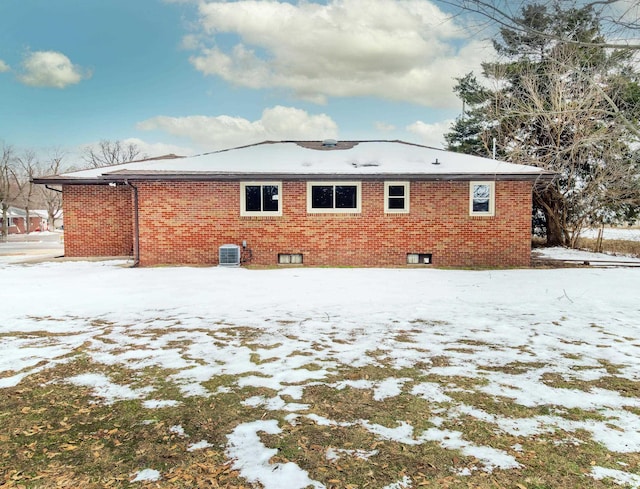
(396, 197)
(290, 258)
(482, 198)
(333, 197)
(260, 199)
(419, 258)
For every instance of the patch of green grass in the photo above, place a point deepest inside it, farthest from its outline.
(63, 436)
(428, 322)
(55, 434)
(405, 337)
(312, 367)
(496, 406)
(513, 368)
(258, 360)
(467, 351)
(625, 387)
(611, 368)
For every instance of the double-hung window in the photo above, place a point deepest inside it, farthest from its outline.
(396, 197)
(260, 199)
(482, 198)
(333, 197)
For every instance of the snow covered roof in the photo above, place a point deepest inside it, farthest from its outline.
(16, 212)
(42, 213)
(310, 159)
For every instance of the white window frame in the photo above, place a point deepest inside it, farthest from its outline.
(406, 197)
(492, 198)
(243, 200)
(333, 210)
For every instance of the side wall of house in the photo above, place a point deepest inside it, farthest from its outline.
(98, 220)
(186, 222)
(19, 225)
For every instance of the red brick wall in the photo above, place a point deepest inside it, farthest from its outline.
(185, 223)
(98, 220)
(20, 225)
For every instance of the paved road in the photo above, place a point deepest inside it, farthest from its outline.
(20, 247)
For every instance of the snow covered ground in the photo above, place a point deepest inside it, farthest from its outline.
(560, 254)
(571, 323)
(624, 233)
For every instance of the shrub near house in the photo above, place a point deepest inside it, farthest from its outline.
(350, 203)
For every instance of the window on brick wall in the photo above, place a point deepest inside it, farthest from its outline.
(481, 198)
(396, 197)
(333, 197)
(419, 258)
(260, 199)
(290, 258)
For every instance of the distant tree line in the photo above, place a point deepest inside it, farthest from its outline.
(563, 95)
(18, 168)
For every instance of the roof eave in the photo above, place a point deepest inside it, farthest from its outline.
(68, 181)
(326, 176)
(199, 177)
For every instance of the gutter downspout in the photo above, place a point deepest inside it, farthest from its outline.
(136, 227)
(54, 189)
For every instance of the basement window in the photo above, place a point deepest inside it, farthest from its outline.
(396, 197)
(482, 198)
(260, 199)
(290, 258)
(333, 197)
(419, 258)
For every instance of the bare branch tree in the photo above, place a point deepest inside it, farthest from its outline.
(618, 27)
(564, 123)
(51, 198)
(620, 19)
(570, 107)
(107, 153)
(9, 188)
(27, 168)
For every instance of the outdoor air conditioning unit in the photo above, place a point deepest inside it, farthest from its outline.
(229, 255)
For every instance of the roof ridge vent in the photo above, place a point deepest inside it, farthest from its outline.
(329, 143)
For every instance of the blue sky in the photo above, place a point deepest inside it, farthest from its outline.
(189, 76)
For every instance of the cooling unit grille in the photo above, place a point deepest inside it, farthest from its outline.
(229, 255)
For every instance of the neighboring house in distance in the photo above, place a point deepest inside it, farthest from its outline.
(58, 219)
(17, 221)
(349, 203)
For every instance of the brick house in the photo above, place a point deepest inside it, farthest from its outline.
(17, 221)
(350, 203)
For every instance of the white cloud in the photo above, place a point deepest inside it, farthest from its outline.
(4, 67)
(399, 50)
(431, 134)
(384, 126)
(50, 69)
(218, 132)
(158, 149)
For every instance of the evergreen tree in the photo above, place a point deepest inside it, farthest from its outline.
(468, 132)
(565, 107)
